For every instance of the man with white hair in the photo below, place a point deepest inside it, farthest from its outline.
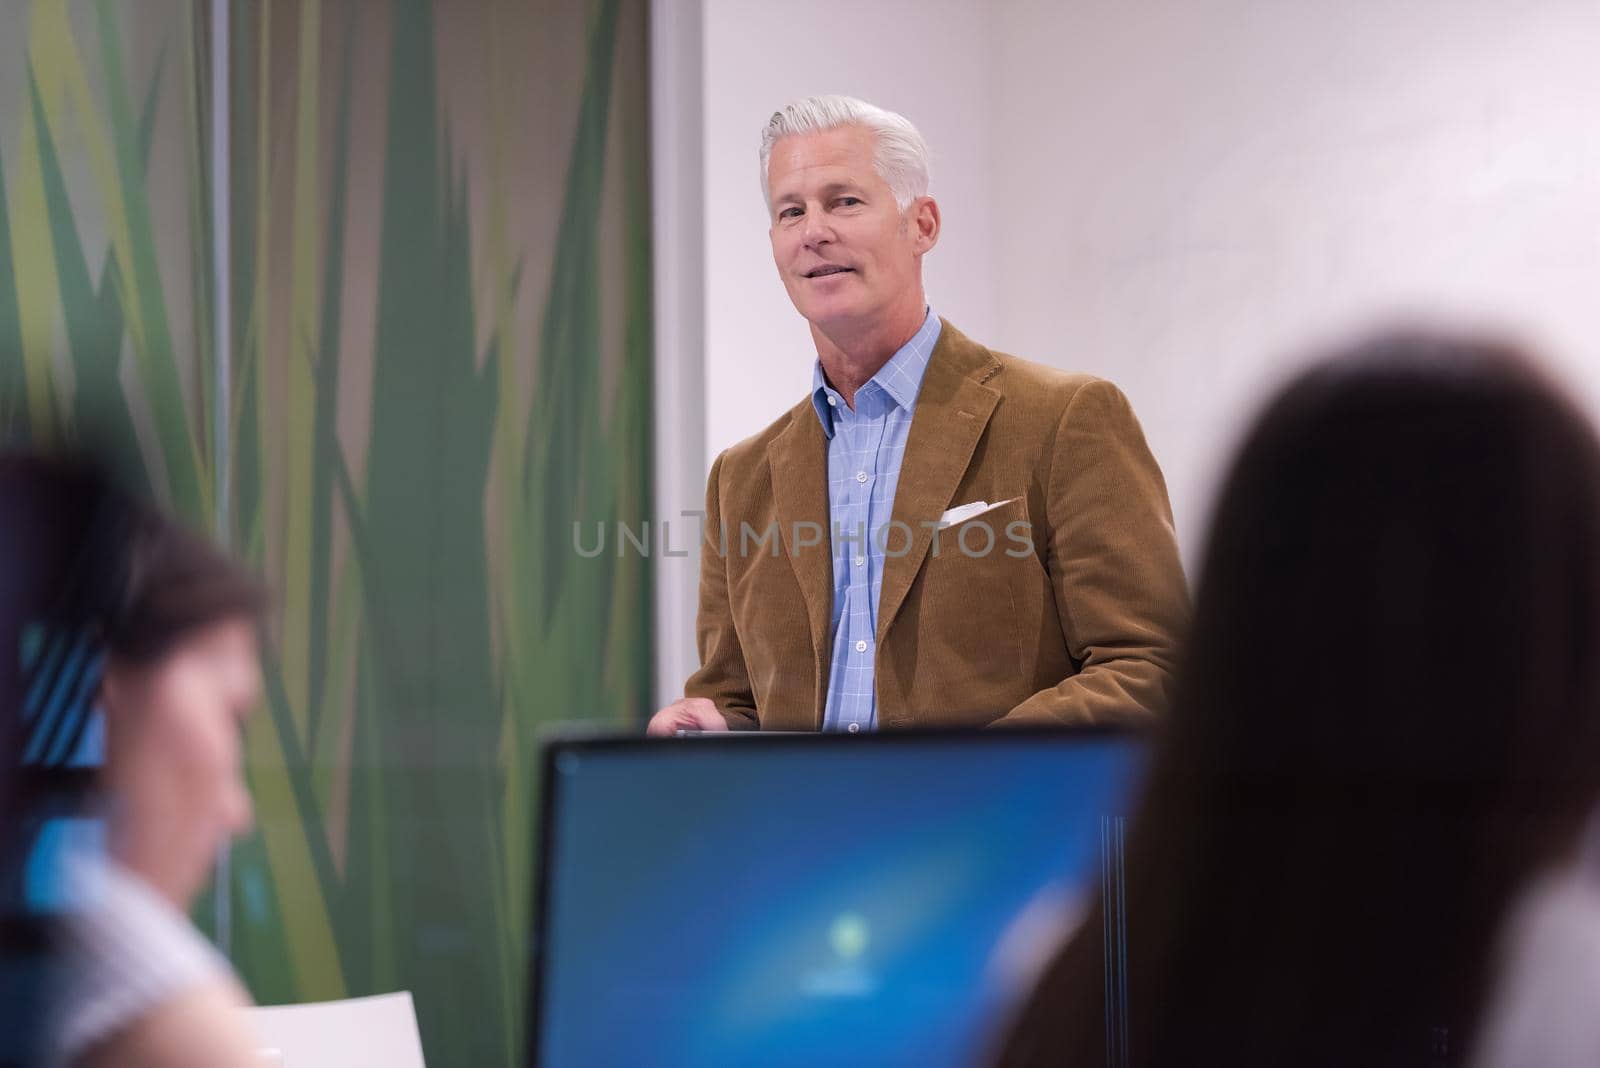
(938, 534)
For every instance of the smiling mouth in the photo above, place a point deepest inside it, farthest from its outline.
(823, 272)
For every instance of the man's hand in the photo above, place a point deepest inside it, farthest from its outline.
(686, 714)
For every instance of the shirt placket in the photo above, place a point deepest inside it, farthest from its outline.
(870, 433)
(846, 517)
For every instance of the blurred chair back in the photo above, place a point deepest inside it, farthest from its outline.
(371, 1032)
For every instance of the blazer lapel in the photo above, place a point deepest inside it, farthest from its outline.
(953, 408)
(799, 460)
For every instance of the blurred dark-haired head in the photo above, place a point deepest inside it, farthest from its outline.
(1402, 581)
(120, 607)
(1387, 720)
(99, 556)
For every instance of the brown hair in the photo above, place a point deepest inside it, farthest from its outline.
(174, 582)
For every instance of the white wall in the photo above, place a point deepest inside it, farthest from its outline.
(1187, 192)
(1180, 195)
(677, 183)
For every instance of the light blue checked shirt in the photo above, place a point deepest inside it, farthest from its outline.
(865, 447)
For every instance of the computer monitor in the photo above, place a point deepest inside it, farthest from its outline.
(809, 900)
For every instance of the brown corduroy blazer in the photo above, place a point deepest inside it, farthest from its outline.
(1072, 616)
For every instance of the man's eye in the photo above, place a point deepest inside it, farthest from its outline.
(789, 213)
(849, 202)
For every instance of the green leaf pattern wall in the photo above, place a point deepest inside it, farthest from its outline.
(440, 359)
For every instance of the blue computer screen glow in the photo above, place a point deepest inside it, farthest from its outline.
(781, 904)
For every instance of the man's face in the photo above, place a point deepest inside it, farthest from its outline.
(845, 251)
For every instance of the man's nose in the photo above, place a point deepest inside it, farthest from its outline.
(815, 230)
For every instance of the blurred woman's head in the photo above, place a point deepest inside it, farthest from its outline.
(1388, 717)
(1402, 581)
(175, 621)
(181, 677)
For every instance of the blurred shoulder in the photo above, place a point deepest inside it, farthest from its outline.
(1540, 1012)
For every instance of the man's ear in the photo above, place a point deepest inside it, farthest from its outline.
(925, 223)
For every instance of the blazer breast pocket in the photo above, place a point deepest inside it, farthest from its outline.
(978, 588)
(1001, 528)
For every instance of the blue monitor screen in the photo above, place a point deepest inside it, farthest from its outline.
(811, 901)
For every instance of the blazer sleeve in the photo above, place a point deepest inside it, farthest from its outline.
(1113, 562)
(722, 676)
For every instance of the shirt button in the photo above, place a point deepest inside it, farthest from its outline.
(860, 560)
(861, 646)
(833, 402)
(861, 476)
(854, 727)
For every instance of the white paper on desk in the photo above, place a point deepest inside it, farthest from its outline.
(962, 513)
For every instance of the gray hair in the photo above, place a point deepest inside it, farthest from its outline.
(901, 157)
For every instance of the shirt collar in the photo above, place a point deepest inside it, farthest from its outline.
(900, 378)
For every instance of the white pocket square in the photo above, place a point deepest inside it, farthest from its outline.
(964, 512)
